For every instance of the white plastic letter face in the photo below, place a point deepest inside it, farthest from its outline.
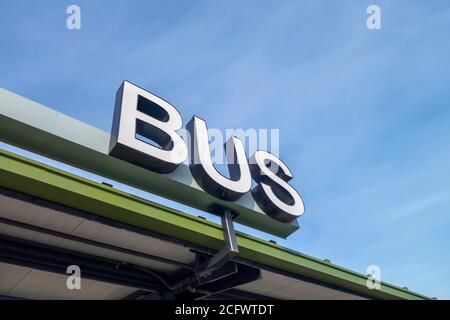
(273, 193)
(204, 172)
(144, 130)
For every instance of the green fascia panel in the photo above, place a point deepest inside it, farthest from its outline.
(34, 178)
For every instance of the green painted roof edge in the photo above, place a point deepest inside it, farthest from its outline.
(29, 176)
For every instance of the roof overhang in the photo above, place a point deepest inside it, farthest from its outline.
(293, 274)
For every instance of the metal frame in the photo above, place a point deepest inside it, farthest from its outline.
(217, 273)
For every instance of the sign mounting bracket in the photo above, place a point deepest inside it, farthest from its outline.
(231, 247)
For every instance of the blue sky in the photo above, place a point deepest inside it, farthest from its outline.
(364, 115)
